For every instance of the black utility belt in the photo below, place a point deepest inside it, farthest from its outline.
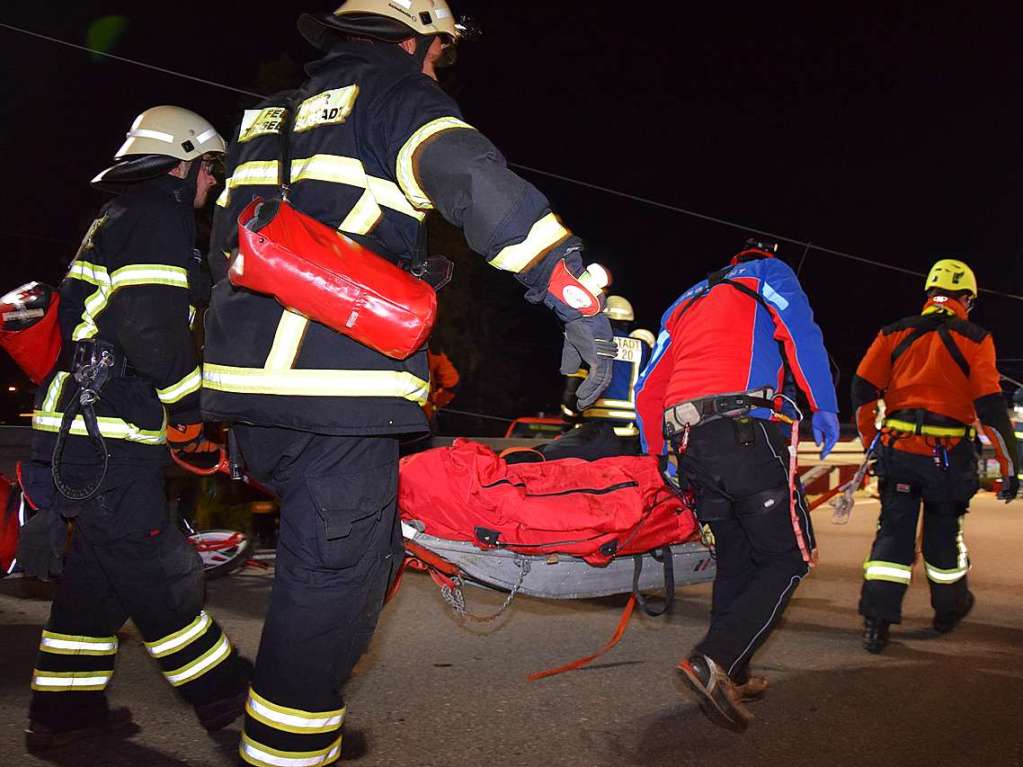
(687, 415)
(92, 351)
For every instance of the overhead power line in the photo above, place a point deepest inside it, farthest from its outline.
(806, 244)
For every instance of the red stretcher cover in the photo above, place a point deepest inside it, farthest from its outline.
(596, 510)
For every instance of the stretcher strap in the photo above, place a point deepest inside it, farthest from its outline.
(623, 623)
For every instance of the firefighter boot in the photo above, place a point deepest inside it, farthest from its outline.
(720, 700)
(875, 635)
(116, 721)
(218, 714)
(945, 622)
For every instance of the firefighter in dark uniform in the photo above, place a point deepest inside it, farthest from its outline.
(374, 144)
(936, 373)
(128, 366)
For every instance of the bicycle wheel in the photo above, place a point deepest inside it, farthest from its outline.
(221, 551)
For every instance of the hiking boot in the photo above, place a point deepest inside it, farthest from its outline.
(117, 721)
(720, 700)
(945, 622)
(753, 688)
(875, 635)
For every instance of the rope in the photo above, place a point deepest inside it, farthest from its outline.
(568, 179)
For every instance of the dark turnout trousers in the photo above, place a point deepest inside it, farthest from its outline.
(740, 470)
(127, 559)
(340, 543)
(905, 480)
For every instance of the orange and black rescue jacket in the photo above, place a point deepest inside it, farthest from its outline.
(936, 373)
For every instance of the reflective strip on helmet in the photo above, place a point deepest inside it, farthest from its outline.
(111, 428)
(176, 392)
(66, 644)
(108, 283)
(293, 719)
(544, 235)
(205, 136)
(156, 135)
(66, 681)
(887, 571)
(263, 756)
(408, 158)
(201, 665)
(287, 341)
(180, 639)
(316, 383)
(331, 168)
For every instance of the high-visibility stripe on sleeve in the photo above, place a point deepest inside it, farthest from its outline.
(316, 383)
(259, 755)
(66, 644)
(292, 719)
(201, 665)
(68, 681)
(887, 571)
(408, 159)
(544, 236)
(190, 384)
(180, 639)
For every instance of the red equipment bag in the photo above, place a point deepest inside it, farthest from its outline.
(30, 332)
(596, 510)
(319, 273)
(12, 517)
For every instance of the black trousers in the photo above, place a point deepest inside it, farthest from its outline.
(904, 480)
(740, 471)
(339, 546)
(127, 559)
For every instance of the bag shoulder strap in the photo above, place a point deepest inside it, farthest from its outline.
(284, 165)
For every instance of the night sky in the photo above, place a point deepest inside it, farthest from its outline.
(892, 132)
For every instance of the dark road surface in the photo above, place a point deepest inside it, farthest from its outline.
(432, 692)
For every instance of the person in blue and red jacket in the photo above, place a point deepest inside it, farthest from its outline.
(728, 347)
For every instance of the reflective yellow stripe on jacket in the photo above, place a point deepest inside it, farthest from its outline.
(545, 235)
(49, 419)
(408, 158)
(107, 283)
(316, 383)
(178, 391)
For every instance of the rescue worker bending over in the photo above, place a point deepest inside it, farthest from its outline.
(726, 348)
(128, 365)
(375, 144)
(617, 406)
(936, 373)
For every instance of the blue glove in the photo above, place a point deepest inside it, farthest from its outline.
(825, 431)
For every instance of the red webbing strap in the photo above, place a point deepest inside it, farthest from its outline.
(424, 560)
(810, 557)
(623, 623)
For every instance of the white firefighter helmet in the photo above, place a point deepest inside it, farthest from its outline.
(388, 20)
(159, 139)
(619, 309)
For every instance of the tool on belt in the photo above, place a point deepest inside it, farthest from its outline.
(93, 364)
(314, 270)
(29, 330)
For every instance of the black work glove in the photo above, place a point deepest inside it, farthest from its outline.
(589, 340)
(1010, 489)
(41, 545)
